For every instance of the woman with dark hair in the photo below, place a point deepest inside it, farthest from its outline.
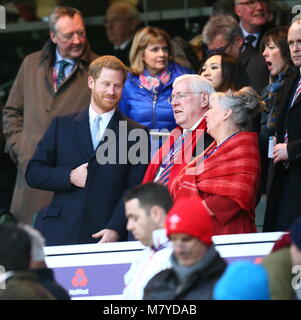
(224, 73)
(276, 53)
(149, 83)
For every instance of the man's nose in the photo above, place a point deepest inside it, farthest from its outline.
(129, 225)
(76, 38)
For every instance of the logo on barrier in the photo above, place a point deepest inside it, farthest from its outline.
(80, 279)
(2, 17)
(2, 278)
(296, 9)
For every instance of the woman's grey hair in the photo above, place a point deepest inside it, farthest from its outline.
(245, 104)
(197, 83)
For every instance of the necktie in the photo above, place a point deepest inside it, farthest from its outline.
(95, 131)
(249, 40)
(61, 73)
(249, 50)
(169, 160)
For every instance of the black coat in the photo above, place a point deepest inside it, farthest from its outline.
(199, 286)
(277, 172)
(122, 54)
(256, 68)
(74, 214)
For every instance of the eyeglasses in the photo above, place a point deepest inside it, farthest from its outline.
(220, 50)
(181, 95)
(252, 3)
(70, 36)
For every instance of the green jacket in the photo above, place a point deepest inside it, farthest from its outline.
(279, 266)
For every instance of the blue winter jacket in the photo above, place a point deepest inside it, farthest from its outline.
(147, 108)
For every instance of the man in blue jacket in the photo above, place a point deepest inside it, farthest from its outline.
(75, 162)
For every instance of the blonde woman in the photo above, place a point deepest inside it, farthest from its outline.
(149, 82)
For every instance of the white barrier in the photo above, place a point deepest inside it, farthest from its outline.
(95, 271)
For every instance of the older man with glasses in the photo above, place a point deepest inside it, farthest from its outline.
(253, 15)
(190, 101)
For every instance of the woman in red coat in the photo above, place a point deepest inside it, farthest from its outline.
(226, 175)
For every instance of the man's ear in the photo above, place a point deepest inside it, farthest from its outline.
(52, 37)
(239, 42)
(91, 82)
(157, 214)
(204, 100)
(237, 10)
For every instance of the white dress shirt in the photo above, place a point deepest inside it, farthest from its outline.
(105, 119)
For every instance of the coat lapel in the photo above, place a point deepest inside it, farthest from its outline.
(288, 89)
(82, 136)
(246, 55)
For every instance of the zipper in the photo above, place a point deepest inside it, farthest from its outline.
(154, 111)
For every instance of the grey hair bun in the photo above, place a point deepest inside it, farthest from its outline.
(250, 100)
(245, 105)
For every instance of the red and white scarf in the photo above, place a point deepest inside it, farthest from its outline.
(232, 171)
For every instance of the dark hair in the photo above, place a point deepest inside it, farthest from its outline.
(151, 194)
(15, 248)
(279, 37)
(234, 76)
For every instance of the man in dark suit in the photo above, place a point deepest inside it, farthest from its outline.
(253, 17)
(284, 183)
(89, 169)
(222, 33)
(121, 23)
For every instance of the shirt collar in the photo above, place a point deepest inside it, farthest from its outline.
(245, 33)
(123, 45)
(194, 126)
(105, 117)
(160, 239)
(60, 58)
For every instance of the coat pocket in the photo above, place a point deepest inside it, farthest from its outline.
(52, 211)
